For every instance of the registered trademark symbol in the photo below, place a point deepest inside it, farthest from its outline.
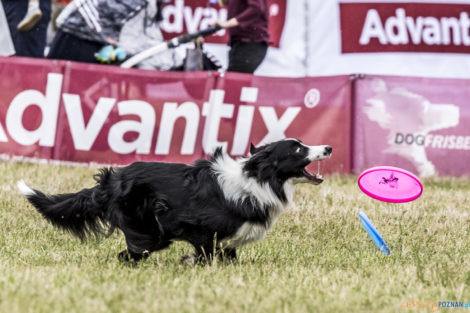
(312, 98)
(274, 9)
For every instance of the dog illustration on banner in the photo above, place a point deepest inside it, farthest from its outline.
(403, 112)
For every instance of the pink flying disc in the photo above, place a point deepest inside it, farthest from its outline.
(390, 184)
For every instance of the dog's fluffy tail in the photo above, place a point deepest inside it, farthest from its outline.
(82, 213)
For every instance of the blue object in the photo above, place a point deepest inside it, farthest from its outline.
(120, 53)
(109, 54)
(374, 234)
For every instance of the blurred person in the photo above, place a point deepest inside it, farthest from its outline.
(142, 32)
(68, 45)
(57, 7)
(32, 42)
(6, 48)
(85, 26)
(32, 17)
(248, 29)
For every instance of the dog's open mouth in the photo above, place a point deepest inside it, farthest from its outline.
(312, 178)
(309, 177)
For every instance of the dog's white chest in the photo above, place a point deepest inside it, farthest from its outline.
(247, 233)
(252, 232)
(236, 187)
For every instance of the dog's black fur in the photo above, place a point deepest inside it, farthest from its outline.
(156, 203)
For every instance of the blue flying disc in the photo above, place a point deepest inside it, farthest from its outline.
(374, 234)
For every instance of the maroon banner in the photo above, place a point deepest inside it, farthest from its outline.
(405, 27)
(29, 106)
(93, 113)
(114, 115)
(422, 125)
(262, 109)
(182, 16)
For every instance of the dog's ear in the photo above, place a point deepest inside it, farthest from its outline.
(252, 148)
(218, 152)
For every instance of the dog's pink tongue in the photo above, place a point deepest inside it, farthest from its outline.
(314, 169)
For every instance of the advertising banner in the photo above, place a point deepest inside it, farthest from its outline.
(420, 124)
(263, 109)
(405, 27)
(104, 114)
(27, 120)
(92, 113)
(113, 115)
(428, 38)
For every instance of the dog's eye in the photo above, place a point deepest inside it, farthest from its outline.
(298, 150)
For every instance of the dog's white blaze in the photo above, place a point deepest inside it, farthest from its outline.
(316, 153)
(24, 189)
(236, 186)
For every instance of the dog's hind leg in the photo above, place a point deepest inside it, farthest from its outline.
(143, 236)
(138, 219)
(129, 255)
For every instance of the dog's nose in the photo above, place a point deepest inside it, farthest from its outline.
(328, 150)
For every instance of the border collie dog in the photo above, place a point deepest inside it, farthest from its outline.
(216, 204)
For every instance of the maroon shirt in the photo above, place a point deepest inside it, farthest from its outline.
(252, 17)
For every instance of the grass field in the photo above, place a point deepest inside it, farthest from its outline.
(317, 258)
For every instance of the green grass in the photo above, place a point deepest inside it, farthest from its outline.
(317, 258)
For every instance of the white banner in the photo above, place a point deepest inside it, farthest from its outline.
(289, 59)
(410, 38)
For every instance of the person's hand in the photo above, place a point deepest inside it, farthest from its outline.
(228, 24)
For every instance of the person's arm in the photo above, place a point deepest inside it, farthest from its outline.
(254, 9)
(229, 23)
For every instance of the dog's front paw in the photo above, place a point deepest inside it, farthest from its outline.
(124, 256)
(127, 256)
(189, 259)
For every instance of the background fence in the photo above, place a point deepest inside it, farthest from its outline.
(94, 113)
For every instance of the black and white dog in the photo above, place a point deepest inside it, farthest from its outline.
(216, 205)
